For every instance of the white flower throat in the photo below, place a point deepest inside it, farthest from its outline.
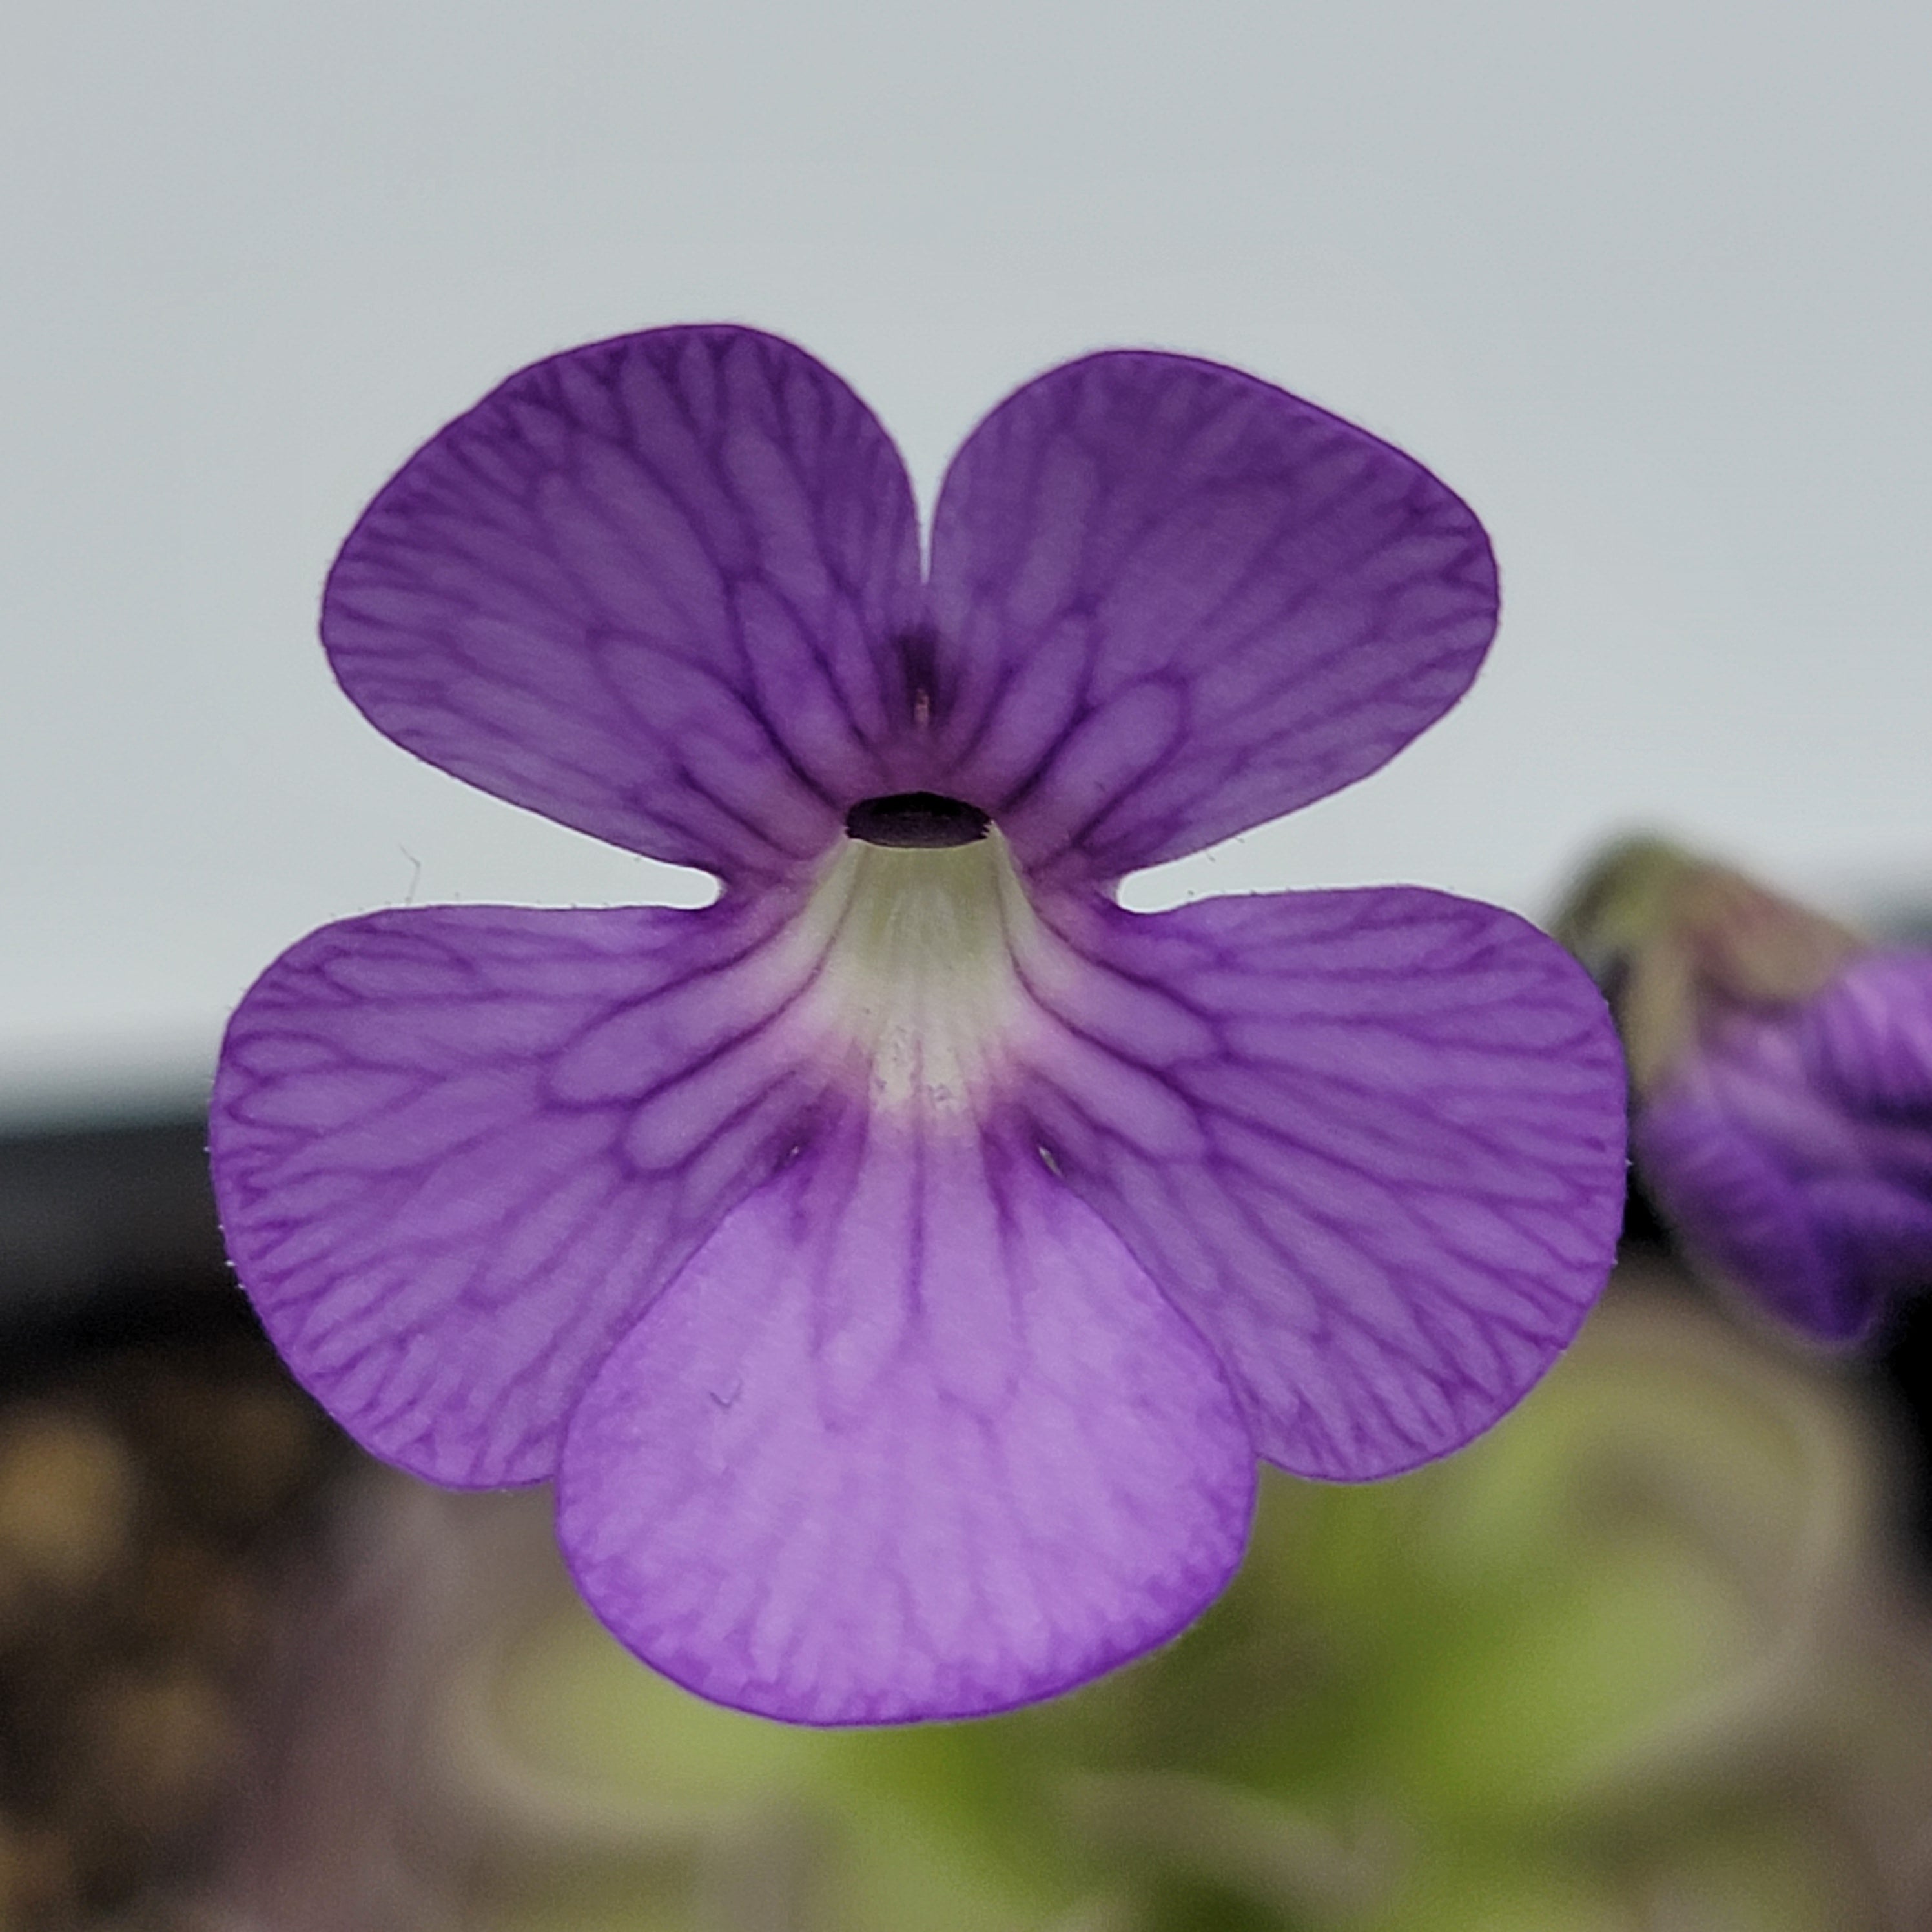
(918, 950)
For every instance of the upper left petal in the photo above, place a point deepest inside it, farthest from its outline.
(648, 589)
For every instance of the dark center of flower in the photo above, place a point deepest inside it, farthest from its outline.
(922, 820)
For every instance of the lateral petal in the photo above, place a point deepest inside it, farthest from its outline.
(456, 1150)
(1169, 602)
(648, 588)
(911, 1436)
(1379, 1160)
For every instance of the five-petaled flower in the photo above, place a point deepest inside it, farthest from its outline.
(900, 1264)
(1781, 1074)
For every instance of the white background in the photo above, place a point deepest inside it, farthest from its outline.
(1647, 283)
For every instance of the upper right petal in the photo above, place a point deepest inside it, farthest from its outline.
(458, 1149)
(648, 588)
(1171, 601)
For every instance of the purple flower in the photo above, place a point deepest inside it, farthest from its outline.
(900, 1264)
(1782, 1075)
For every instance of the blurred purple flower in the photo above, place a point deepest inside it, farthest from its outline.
(1782, 1074)
(900, 1263)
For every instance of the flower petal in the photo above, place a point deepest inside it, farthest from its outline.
(911, 1436)
(1868, 1035)
(1791, 1149)
(457, 1150)
(646, 588)
(1169, 602)
(1743, 1209)
(1372, 1143)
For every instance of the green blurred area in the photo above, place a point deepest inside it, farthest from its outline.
(1623, 1664)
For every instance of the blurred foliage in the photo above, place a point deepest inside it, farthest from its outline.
(1632, 1661)
(1638, 1659)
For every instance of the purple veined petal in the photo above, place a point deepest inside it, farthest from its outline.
(1867, 1036)
(1169, 602)
(456, 1150)
(646, 588)
(1371, 1143)
(912, 1436)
